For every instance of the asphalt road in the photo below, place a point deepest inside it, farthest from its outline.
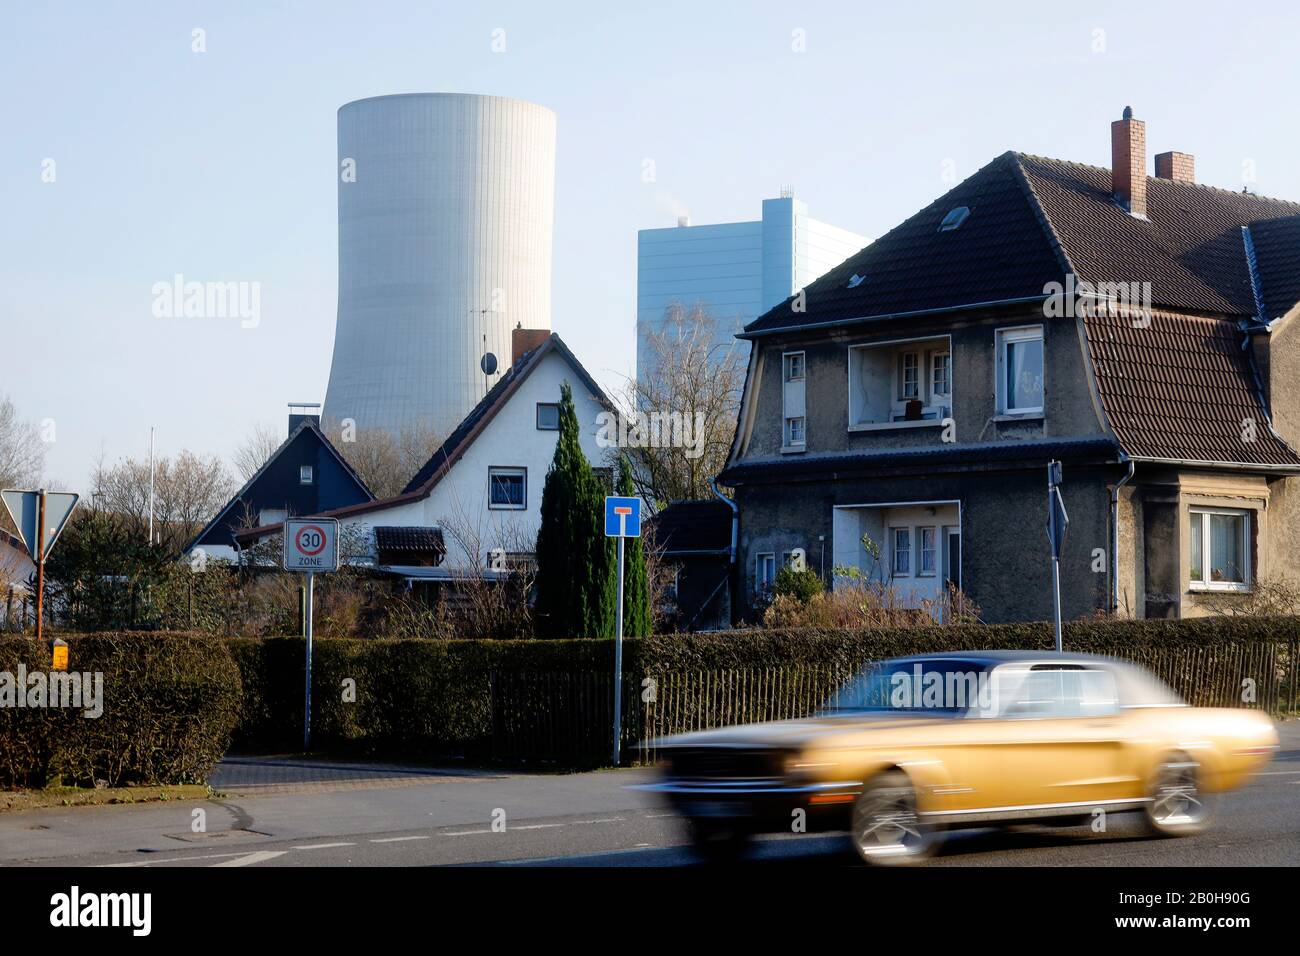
(300, 813)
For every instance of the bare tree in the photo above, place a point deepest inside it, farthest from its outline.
(386, 461)
(188, 491)
(685, 404)
(22, 453)
(256, 450)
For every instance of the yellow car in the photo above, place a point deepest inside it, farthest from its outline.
(915, 746)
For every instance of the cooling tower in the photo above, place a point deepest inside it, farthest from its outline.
(446, 207)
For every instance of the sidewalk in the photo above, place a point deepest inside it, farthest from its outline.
(306, 774)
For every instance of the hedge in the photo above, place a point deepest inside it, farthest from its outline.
(169, 705)
(436, 697)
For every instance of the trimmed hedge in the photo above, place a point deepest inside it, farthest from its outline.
(170, 703)
(436, 696)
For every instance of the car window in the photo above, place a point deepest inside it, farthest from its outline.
(1058, 692)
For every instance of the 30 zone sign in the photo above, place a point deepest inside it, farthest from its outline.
(311, 544)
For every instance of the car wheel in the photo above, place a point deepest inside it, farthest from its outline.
(886, 827)
(1178, 806)
(718, 841)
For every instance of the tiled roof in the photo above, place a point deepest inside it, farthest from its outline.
(1032, 220)
(831, 467)
(1181, 387)
(416, 540)
(693, 526)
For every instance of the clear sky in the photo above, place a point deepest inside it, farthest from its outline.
(221, 165)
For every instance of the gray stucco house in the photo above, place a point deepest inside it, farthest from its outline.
(1141, 330)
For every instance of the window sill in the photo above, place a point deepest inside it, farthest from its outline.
(1219, 589)
(890, 426)
(492, 507)
(793, 449)
(1019, 417)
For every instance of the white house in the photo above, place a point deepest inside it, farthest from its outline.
(476, 503)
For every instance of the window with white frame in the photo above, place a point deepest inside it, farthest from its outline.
(900, 383)
(508, 488)
(1219, 540)
(901, 561)
(764, 571)
(794, 428)
(306, 475)
(928, 565)
(1019, 363)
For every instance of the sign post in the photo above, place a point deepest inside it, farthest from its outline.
(311, 547)
(622, 520)
(39, 516)
(1058, 522)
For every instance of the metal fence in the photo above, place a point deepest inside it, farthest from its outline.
(566, 718)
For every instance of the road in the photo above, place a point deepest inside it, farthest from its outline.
(295, 812)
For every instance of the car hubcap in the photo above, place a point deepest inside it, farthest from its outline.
(887, 824)
(1177, 800)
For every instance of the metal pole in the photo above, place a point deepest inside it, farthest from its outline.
(306, 712)
(40, 564)
(1056, 595)
(151, 486)
(618, 656)
(1056, 561)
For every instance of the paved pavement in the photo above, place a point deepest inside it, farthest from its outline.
(300, 812)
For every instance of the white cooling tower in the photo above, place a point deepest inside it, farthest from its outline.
(446, 208)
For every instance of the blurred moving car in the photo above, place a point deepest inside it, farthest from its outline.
(914, 746)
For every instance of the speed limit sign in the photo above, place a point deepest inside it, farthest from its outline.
(311, 544)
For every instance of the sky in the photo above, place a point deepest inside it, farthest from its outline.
(127, 157)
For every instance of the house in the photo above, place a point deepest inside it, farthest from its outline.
(1141, 330)
(694, 538)
(305, 475)
(475, 505)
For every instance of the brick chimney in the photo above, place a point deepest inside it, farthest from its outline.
(1180, 167)
(1128, 163)
(524, 340)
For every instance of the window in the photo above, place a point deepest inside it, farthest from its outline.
(764, 572)
(271, 516)
(929, 563)
(1047, 691)
(954, 219)
(305, 475)
(794, 431)
(941, 374)
(909, 376)
(902, 562)
(900, 384)
(1220, 549)
(794, 366)
(1020, 371)
(508, 488)
(548, 417)
(794, 426)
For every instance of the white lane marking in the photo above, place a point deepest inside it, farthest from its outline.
(466, 832)
(399, 839)
(170, 859)
(1276, 773)
(538, 826)
(322, 846)
(604, 820)
(658, 816)
(261, 856)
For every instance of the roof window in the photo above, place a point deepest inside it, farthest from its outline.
(954, 219)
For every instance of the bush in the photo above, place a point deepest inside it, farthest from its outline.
(802, 585)
(170, 703)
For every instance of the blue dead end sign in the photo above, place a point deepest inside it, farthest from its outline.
(622, 517)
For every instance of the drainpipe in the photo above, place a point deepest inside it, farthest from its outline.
(735, 516)
(1114, 527)
(731, 553)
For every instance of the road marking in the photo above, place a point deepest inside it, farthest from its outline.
(539, 826)
(1276, 773)
(466, 832)
(322, 846)
(399, 839)
(605, 820)
(170, 859)
(261, 856)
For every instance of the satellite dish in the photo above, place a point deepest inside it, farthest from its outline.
(488, 363)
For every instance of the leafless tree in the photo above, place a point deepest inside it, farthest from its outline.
(22, 453)
(694, 376)
(386, 461)
(256, 450)
(188, 491)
